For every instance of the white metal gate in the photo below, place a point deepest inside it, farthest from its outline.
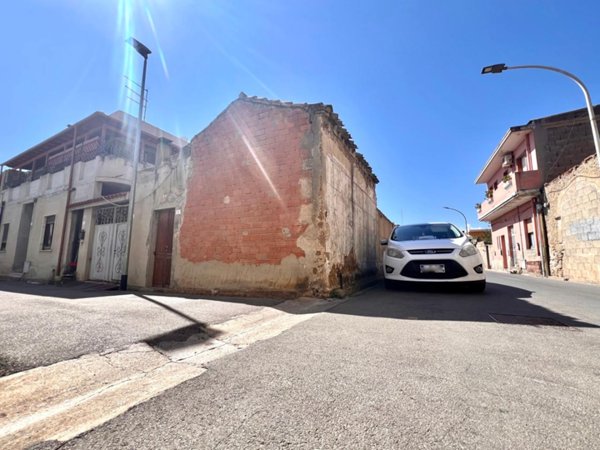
(110, 243)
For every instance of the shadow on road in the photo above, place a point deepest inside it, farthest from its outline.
(433, 302)
(422, 302)
(181, 337)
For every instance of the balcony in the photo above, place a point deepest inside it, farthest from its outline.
(57, 162)
(522, 187)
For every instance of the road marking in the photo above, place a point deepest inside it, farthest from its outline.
(61, 401)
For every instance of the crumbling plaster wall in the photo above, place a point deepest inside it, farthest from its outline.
(384, 227)
(573, 223)
(248, 223)
(350, 212)
(158, 188)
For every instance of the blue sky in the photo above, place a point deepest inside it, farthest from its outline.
(404, 76)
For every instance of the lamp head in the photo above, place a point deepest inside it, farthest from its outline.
(139, 47)
(496, 68)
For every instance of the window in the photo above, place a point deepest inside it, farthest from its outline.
(524, 163)
(529, 235)
(48, 232)
(425, 231)
(149, 155)
(4, 237)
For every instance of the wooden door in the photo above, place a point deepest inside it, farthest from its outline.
(163, 248)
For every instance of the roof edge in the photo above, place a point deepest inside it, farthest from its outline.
(498, 149)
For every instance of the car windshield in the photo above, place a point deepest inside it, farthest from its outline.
(425, 231)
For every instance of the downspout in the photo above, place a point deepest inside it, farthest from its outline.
(522, 237)
(67, 204)
(543, 234)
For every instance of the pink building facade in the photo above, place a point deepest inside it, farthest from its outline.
(515, 204)
(512, 192)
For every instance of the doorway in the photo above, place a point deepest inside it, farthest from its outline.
(163, 249)
(513, 246)
(503, 250)
(23, 238)
(110, 244)
(75, 240)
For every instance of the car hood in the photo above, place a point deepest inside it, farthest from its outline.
(429, 243)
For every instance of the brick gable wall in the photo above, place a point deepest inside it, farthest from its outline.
(244, 194)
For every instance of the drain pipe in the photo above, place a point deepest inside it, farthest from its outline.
(545, 253)
(67, 204)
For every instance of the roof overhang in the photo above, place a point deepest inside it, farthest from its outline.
(514, 201)
(61, 138)
(118, 119)
(511, 140)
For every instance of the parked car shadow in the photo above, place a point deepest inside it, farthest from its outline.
(424, 302)
(499, 303)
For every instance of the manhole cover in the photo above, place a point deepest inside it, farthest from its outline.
(526, 320)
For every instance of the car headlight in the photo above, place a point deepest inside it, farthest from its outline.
(468, 250)
(394, 253)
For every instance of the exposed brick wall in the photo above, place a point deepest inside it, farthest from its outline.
(563, 141)
(244, 194)
(573, 223)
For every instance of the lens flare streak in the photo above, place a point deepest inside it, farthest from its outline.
(252, 152)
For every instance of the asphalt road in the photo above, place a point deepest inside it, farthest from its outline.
(396, 369)
(43, 324)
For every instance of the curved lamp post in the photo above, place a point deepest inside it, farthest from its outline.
(464, 217)
(498, 68)
(144, 52)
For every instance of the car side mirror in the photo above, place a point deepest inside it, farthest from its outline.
(384, 242)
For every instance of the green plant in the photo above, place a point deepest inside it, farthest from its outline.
(477, 206)
(506, 178)
(489, 194)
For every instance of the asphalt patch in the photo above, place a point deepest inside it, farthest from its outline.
(513, 319)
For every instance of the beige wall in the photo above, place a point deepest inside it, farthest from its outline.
(573, 223)
(48, 196)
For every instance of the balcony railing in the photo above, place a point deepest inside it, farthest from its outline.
(519, 184)
(55, 163)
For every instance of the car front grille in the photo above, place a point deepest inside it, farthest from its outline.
(412, 269)
(431, 251)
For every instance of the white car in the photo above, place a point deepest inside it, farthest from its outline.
(432, 253)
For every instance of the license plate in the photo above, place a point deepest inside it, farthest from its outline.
(433, 268)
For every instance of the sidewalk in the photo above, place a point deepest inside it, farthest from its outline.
(45, 324)
(172, 340)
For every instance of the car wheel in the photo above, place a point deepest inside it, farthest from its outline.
(477, 286)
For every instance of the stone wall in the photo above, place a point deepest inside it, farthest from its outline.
(573, 223)
(563, 141)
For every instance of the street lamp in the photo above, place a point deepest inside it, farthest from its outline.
(464, 217)
(144, 52)
(498, 68)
